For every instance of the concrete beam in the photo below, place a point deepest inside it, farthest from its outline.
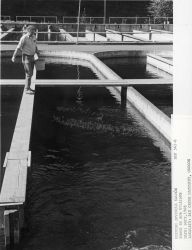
(126, 82)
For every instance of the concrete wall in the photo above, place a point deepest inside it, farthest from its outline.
(66, 36)
(156, 117)
(161, 63)
(118, 36)
(92, 36)
(155, 36)
(141, 35)
(159, 35)
(113, 35)
(121, 53)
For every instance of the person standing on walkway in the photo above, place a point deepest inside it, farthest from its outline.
(27, 45)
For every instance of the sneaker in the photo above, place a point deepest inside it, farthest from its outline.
(31, 89)
(29, 92)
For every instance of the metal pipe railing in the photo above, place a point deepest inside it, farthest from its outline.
(75, 35)
(85, 24)
(31, 18)
(5, 17)
(94, 19)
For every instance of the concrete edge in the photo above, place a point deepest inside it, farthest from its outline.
(161, 63)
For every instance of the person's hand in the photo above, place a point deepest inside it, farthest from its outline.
(13, 59)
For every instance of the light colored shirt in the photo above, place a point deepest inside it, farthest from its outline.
(28, 44)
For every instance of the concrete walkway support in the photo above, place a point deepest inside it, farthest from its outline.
(17, 161)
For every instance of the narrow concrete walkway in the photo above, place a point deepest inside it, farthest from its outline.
(82, 82)
(17, 159)
(93, 48)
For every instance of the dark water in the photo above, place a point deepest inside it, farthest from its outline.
(130, 67)
(97, 180)
(10, 70)
(54, 70)
(135, 68)
(13, 36)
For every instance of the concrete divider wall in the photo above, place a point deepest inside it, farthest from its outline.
(95, 64)
(67, 36)
(113, 35)
(160, 63)
(156, 36)
(92, 36)
(118, 36)
(141, 27)
(161, 36)
(156, 117)
(141, 35)
(121, 53)
(95, 27)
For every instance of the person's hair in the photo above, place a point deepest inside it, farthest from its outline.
(30, 28)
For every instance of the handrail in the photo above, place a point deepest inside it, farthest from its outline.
(135, 19)
(3, 17)
(84, 32)
(93, 19)
(32, 17)
(132, 36)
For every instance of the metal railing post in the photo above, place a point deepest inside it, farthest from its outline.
(79, 12)
(150, 33)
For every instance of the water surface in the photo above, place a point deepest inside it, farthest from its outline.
(97, 180)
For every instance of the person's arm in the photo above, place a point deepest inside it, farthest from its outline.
(19, 48)
(15, 54)
(36, 50)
